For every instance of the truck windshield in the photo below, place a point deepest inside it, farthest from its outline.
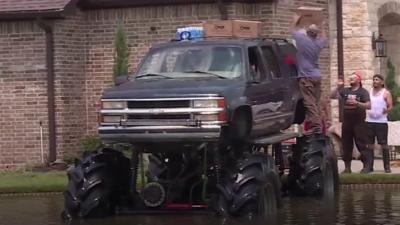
(218, 62)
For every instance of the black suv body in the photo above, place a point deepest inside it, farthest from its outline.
(204, 90)
(199, 119)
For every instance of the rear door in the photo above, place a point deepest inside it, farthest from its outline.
(268, 92)
(278, 89)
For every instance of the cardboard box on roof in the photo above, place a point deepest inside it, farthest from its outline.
(310, 15)
(246, 28)
(232, 28)
(218, 28)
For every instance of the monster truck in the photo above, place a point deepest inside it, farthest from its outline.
(201, 117)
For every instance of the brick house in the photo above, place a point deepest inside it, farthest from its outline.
(56, 58)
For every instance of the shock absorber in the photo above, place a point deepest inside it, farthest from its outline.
(217, 167)
(134, 170)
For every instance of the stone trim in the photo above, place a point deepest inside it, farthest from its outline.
(389, 7)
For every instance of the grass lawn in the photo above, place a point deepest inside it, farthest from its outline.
(35, 182)
(357, 178)
(28, 182)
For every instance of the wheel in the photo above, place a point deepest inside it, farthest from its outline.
(251, 189)
(313, 170)
(96, 184)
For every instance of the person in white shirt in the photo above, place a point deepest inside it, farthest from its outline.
(381, 104)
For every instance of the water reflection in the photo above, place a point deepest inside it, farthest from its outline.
(352, 207)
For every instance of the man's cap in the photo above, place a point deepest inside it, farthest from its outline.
(313, 28)
(358, 74)
(378, 76)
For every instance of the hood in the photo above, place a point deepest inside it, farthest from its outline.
(161, 88)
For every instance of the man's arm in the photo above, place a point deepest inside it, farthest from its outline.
(335, 94)
(364, 105)
(322, 38)
(389, 101)
(295, 23)
(365, 102)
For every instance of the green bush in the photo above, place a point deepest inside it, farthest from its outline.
(394, 115)
(91, 143)
(121, 58)
(390, 81)
(394, 89)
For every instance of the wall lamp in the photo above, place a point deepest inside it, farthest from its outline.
(379, 45)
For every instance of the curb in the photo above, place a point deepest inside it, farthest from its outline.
(368, 186)
(36, 194)
(342, 187)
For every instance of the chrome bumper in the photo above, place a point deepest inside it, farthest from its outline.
(154, 134)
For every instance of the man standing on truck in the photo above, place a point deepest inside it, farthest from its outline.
(381, 104)
(354, 128)
(309, 46)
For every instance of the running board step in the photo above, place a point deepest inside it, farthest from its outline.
(274, 138)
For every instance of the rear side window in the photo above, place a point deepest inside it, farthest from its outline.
(256, 71)
(288, 52)
(272, 61)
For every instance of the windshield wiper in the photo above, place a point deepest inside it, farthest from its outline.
(153, 75)
(205, 72)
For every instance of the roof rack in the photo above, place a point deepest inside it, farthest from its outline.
(232, 37)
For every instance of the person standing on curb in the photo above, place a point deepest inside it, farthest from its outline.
(354, 127)
(381, 104)
(309, 46)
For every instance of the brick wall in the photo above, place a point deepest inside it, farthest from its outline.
(146, 26)
(23, 98)
(84, 52)
(69, 68)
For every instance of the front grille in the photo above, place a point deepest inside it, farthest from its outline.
(158, 104)
(159, 117)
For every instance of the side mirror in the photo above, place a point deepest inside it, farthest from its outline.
(118, 80)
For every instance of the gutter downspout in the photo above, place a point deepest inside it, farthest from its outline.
(340, 61)
(50, 87)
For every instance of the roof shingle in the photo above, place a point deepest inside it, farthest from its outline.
(32, 5)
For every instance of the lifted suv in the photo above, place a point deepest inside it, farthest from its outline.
(205, 90)
(207, 113)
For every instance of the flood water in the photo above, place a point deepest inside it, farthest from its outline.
(380, 206)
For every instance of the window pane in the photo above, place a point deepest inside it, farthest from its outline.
(183, 62)
(272, 62)
(254, 63)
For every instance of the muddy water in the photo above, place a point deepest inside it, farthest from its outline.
(353, 207)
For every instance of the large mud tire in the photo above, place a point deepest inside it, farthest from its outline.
(251, 189)
(314, 170)
(96, 184)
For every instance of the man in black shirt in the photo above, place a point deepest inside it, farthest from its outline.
(354, 128)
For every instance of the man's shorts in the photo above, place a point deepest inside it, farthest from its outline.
(378, 131)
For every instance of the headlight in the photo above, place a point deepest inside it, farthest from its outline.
(113, 105)
(212, 103)
(111, 119)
